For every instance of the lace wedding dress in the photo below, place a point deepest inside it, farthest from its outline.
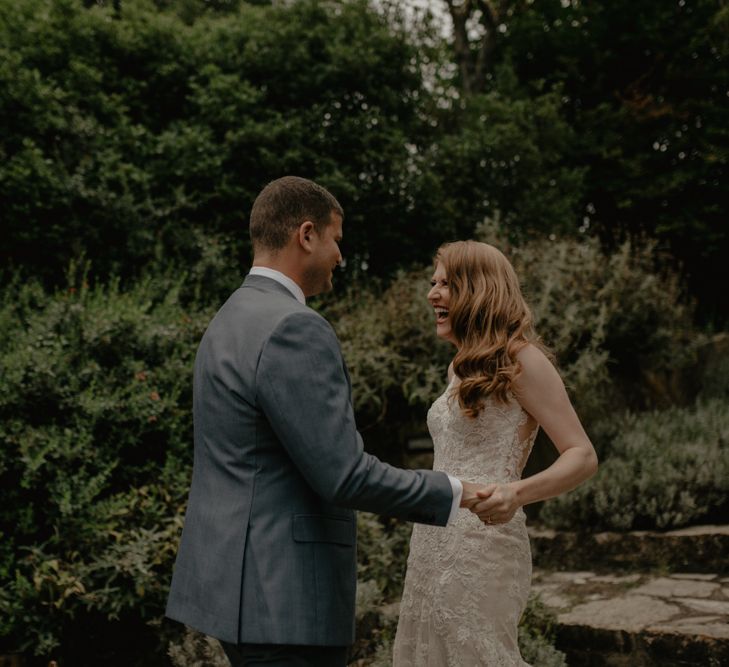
(467, 584)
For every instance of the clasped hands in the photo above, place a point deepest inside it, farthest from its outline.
(492, 503)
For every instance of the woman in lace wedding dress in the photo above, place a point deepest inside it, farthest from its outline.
(467, 584)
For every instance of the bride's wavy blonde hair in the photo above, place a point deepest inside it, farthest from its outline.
(489, 319)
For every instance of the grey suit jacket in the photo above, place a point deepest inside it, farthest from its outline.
(268, 550)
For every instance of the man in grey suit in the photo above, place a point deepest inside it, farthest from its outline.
(267, 560)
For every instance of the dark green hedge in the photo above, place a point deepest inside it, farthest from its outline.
(95, 433)
(129, 135)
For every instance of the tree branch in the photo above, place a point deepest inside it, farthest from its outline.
(490, 20)
(459, 15)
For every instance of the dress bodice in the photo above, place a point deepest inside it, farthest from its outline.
(492, 447)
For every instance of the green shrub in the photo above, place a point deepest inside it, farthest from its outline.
(713, 369)
(388, 340)
(95, 452)
(537, 631)
(194, 649)
(663, 469)
(127, 130)
(382, 545)
(614, 321)
(382, 551)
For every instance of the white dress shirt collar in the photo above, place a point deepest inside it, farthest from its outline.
(281, 278)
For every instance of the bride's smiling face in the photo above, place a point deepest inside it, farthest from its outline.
(439, 298)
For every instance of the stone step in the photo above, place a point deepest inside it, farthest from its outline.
(694, 549)
(638, 620)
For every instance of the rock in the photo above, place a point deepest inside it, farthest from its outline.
(632, 613)
(699, 531)
(617, 579)
(672, 587)
(549, 596)
(694, 575)
(699, 549)
(703, 626)
(667, 621)
(572, 577)
(706, 606)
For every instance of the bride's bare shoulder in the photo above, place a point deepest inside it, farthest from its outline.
(531, 355)
(535, 367)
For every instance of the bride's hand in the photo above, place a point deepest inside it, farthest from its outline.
(498, 504)
(473, 493)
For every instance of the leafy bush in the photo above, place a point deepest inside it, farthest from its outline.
(663, 469)
(505, 153)
(382, 546)
(618, 323)
(713, 370)
(397, 365)
(130, 129)
(94, 463)
(194, 649)
(382, 551)
(127, 129)
(655, 146)
(537, 632)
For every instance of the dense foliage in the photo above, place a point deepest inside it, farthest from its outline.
(132, 133)
(662, 469)
(126, 130)
(95, 432)
(133, 128)
(658, 144)
(136, 133)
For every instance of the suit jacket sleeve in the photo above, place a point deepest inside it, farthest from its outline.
(304, 391)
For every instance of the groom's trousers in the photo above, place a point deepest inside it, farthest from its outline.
(282, 655)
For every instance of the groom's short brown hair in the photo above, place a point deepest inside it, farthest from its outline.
(283, 205)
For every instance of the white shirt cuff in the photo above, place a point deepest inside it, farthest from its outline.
(457, 495)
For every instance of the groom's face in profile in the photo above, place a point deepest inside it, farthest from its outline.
(326, 256)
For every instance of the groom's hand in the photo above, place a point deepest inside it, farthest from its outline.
(472, 494)
(497, 503)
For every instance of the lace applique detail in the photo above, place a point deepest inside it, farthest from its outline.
(467, 584)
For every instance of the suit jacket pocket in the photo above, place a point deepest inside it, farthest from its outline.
(322, 528)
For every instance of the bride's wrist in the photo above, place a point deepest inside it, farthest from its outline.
(518, 489)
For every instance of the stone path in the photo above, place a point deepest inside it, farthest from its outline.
(623, 618)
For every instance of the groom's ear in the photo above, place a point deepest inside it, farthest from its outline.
(305, 235)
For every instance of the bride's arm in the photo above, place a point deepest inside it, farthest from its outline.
(541, 392)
